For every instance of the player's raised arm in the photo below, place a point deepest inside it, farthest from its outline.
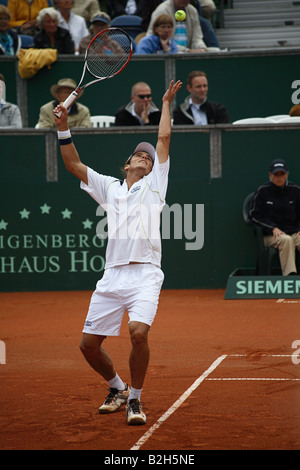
(67, 148)
(164, 130)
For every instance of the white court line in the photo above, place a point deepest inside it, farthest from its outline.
(258, 354)
(252, 378)
(178, 403)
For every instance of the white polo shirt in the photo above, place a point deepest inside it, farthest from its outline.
(133, 215)
(76, 27)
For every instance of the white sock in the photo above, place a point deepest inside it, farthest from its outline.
(135, 393)
(117, 383)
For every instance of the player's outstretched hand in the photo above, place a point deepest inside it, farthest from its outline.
(172, 90)
(62, 120)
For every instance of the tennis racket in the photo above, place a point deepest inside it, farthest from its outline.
(107, 55)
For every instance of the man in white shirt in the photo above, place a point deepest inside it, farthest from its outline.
(132, 279)
(75, 24)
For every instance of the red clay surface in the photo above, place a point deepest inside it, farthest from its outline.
(49, 396)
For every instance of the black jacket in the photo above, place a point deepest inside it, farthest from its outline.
(276, 207)
(124, 117)
(63, 41)
(216, 113)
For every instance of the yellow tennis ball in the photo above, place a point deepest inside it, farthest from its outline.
(180, 15)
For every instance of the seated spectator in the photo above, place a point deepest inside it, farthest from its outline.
(161, 41)
(86, 8)
(79, 115)
(75, 24)
(276, 209)
(24, 14)
(196, 109)
(209, 36)
(124, 7)
(141, 110)
(10, 42)
(10, 115)
(99, 21)
(51, 35)
(187, 34)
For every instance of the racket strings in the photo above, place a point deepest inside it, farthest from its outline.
(108, 53)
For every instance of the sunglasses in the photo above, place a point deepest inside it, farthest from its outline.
(142, 97)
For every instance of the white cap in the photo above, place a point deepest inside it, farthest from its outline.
(145, 147)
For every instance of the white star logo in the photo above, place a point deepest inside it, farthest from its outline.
(3, 224)
(66, 214)
(24, 214)
(45, 209)
(87, 223)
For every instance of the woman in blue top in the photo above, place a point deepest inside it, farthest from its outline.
(161, 41)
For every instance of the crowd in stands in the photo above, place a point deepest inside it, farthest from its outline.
(67, 26)
(47, 21)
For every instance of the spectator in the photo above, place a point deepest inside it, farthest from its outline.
(75, 24)
(79, 115)
(196, 109)
(141, 110)
(190, 36)
(209, 36)
(276, 209)
(24, 14)
(161, 41)
(10, 42)
(10, 115)
(100, 21)
(51, 35)
(86, 8)
(124, 7)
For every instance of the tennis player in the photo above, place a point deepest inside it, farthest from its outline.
(132, 278)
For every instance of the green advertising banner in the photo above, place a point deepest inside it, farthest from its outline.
(48, 239)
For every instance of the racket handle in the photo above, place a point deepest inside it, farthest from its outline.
(68, 102)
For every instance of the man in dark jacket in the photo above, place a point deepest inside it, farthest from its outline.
(276, 209)
(141, 110)
(196, 109)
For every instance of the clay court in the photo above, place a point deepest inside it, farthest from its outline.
(223, 375)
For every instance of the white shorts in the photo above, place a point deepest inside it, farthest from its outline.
(133, 287)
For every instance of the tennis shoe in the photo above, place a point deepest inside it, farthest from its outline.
(134, 412)
(114, 400)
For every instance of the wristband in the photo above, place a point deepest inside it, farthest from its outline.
(64, 137)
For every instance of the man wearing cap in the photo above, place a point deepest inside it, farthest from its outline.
(132, 278)
(78, 114)
(276, 209)
(99, 21)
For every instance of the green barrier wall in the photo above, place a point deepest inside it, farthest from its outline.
(51, 245)
(248, 83)
(47, 229)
